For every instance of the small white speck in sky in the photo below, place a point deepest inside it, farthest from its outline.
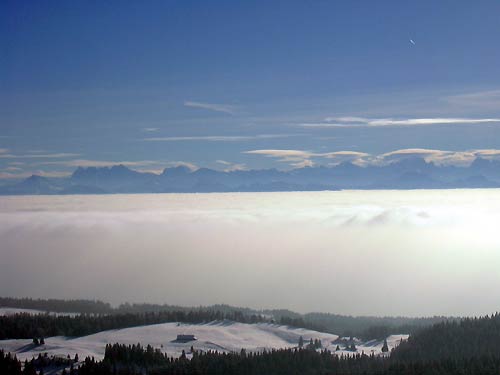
(412, 42)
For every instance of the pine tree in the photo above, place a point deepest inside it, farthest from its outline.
(385, 348)
(301, 342)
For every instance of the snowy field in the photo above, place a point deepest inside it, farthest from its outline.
(222, 336)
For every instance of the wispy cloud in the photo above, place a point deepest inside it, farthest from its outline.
(296, 158)
(150, 130)
(12, 169)
(440, 157)
(99, 163)
(151, 166)
(4, 150)
(303, 163)
(224, 108)
(482, 99)
(341, 122)
(187, 164)
(347, 154)
(338, 157)
(282, 153)
(218, 138)
(300, 158)
(12, 175)
(37, 156)
(231, 167)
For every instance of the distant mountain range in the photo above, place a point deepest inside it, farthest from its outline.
(410, 173)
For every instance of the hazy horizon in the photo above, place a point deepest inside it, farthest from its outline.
(412, 253)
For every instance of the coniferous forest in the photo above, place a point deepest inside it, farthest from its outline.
(23, 326)
(93, 316)
(468, 346)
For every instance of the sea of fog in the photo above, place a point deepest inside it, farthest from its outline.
(421, 252)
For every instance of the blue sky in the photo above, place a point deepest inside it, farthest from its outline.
(233, 84)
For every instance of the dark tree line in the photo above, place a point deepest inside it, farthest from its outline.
(25, 325)
(123, 359)
(369, 327)
(468, 338)
(10, 365)
(362, 327)
(135, 360)
(58, 305)
(99, 307)
(30, 326)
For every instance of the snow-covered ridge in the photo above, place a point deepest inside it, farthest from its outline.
(221, 335)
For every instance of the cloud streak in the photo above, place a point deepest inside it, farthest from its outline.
(218, 138)
(99, 163)
(36, 155)
(440, 157)
(232, 167)
(343, 122)
(144, 166)
(223, 108)
(301, 158)
(10, 174)
(482, 99)
(187, 164)
(296, 158)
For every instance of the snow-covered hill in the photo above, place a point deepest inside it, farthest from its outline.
(221, 336)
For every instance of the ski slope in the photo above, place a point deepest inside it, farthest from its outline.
(224, 336)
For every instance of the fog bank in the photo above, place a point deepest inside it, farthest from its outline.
(349, 252)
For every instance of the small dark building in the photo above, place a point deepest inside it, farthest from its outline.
(186, 338)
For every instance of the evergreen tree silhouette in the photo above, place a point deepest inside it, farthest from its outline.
(385, 348)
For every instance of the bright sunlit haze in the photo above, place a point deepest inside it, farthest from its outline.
(350, 252)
